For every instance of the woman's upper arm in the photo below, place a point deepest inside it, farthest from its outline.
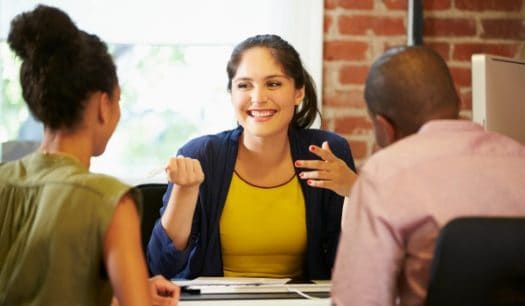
(123, 256)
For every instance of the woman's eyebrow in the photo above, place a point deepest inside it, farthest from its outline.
(266, 77)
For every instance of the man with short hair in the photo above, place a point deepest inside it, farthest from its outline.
(431, 169)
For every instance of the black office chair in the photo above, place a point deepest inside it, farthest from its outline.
(152, 202)
(16, 149)
(479, 261)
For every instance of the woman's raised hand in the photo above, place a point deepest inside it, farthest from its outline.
(184, 171)
(330, 172)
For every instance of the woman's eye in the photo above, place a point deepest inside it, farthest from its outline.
(242, 85)
(274, 84)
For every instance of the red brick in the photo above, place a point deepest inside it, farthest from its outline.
(327, 23)
(359, 148)
(466, 100)
(440, 47)
(464, 51)
(396, 4)
(380, 25)
(435, 5)
(345, 50)
(389, 44)
(352, 125)
(353, 74)
(503, 28)
(330, 4)
(427, 4)
(449, 27)
(495, 5)
(462, 76)
(349, 4)
(344, 99)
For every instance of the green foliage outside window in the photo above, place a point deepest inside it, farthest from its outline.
(13, 111)
(147, 134)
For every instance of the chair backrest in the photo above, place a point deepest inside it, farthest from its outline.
(152, 202)
(16, 149)
(479, 261)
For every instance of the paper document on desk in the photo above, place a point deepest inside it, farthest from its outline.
(206, 285)
(266, 288)
(231, 281)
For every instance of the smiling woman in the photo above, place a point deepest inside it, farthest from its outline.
(170, 66)
(262, 92)
(253, 215)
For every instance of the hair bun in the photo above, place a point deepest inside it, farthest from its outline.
(41, 32)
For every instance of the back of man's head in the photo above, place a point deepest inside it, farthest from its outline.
(409, 86)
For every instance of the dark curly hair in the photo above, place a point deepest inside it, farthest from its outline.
(291, 63)
(61, 66)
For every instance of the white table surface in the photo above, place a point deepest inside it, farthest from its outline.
(236, 287)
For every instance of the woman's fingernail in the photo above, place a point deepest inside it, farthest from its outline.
(297, 163)
(312, 148)
(301, 175)
(309, 182)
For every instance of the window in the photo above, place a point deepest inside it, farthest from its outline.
(171, 58)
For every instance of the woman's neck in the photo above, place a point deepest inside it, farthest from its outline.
(265, 151)
(67, 143)
(265, 161)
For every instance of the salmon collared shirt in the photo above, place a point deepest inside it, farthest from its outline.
(406, 193)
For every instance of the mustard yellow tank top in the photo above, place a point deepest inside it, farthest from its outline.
(263, 230)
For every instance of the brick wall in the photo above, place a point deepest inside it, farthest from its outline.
(358, 31)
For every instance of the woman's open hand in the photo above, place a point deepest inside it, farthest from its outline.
(330, 172)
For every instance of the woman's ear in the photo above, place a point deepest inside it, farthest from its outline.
(299, 95)
(104, 107)
(384, 130)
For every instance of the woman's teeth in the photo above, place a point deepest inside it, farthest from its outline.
(260, 114)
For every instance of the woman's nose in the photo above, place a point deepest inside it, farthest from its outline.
(258, 95)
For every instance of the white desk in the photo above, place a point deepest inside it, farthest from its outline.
(247, 291)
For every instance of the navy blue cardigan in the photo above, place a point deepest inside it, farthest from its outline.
(217, 155)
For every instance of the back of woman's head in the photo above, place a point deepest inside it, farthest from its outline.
(290, 61)
(61, 66)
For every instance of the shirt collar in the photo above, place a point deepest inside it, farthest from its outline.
(449, 125)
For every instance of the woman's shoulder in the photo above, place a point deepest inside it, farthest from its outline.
(210, 143)
(101, 184)
(210, 138)
(102, 179)
(319, 135)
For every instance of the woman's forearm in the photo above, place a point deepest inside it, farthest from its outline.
(178, 216)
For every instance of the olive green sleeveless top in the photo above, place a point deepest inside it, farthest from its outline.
(53, 218)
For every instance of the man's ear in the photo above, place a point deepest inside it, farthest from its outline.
(385, 131)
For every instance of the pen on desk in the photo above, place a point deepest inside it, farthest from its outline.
(190, 290)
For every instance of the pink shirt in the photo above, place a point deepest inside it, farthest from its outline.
(405, 194)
